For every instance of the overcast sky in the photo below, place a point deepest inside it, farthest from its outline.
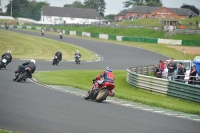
(114, 6)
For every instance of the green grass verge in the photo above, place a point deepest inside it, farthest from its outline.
(27, 47)
(83, 79)
(3, 131)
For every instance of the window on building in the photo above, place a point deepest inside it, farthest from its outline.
(72, 18)
(164, 11)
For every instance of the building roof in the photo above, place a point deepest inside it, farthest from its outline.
(182, 11)
(143, 9)
(122, 13)
(70, 12)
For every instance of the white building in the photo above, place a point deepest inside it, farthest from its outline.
(68, 15)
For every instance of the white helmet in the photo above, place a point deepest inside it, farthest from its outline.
(33, 61)
(77, 51)
(9, 51)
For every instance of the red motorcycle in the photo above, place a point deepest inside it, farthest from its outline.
(99, 94)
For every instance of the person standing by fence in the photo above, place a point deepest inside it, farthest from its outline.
(192, 78)
(180, 73)
(171, 68)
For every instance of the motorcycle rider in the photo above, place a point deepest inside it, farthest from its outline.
(42, 31)
(30, 64)
(8, 57)
(59, 55)
(107, 76)
(77, 53)
(60, 34)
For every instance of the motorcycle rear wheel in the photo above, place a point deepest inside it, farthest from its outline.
(102, 95)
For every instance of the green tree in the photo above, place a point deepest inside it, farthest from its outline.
(110, 17)
(26, 8)
(191, 7)
(75, 4)
(129, 3)
(98, 5)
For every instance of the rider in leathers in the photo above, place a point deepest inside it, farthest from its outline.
(8, 57)
(59, 55)
(30, 64)
(107, 76)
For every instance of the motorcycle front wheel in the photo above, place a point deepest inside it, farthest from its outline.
(21, 77)
(102, 95)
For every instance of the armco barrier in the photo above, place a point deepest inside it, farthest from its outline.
(87, 34)
(169, 41)
(72, 33)
(78, 33)
(103, 36)
(147, 83)
(33, 28)
(164, 86)
(119, 38)
(140, 39)
(28, 27)
(191, 43)
(184, 91)
(95, 35)
(112, 37)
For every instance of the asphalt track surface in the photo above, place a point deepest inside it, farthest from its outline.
(29, 108)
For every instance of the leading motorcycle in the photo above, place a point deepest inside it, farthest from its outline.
(101, 93)
(3, 63)
(23, 74)
(55, 60)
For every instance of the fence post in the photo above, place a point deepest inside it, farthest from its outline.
(142, 70)
(149, 70)
(137, 69)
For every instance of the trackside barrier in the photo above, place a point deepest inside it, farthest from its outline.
(118, 38)
(72, 33)
(103, 36)
(184, 91)
(147, 83)
(164, 86)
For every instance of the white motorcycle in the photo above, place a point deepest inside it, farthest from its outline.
(3, 63)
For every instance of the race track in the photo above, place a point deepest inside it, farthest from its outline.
(30, 108)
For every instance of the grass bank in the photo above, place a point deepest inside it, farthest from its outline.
(137, 32)
(3, 131)
(27, 47)
(83, 79)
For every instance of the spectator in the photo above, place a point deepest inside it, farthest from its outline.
(165, 72)
(192, 78)
(171, 68)
(162, 65)
(157, 71)
(184, 71)
(190, 23)
(180, 73)
(197, 23)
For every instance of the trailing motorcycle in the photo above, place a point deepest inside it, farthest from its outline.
(55, 60)
(99, 94)
(3, 63)
(77, 59)
(23, 74)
